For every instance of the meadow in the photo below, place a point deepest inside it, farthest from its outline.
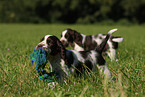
(18, 76)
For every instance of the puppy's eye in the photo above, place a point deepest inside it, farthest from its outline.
(42, 39)
(66, 36)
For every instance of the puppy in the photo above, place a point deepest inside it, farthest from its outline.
(82, 42)
(70, 62)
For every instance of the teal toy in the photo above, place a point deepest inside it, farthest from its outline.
(39, 56)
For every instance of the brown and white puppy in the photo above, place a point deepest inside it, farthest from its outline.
(65, 62)
(82, 42)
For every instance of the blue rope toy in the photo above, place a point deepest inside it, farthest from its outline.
(39, 56)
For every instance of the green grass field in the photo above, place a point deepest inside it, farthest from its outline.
(18, 77)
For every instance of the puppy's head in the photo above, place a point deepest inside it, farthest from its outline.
(51, 44)
(69, 36)
(66, 37)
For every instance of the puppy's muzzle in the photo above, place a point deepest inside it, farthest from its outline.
(42, 47)
(39, 46)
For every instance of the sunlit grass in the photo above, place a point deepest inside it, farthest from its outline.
(18, 77)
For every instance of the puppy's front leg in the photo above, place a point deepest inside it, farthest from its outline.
(105, 70)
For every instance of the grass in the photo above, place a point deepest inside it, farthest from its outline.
(18, 77)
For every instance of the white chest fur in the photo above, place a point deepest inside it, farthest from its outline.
(78, 48)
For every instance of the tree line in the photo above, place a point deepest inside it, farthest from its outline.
(71, 11)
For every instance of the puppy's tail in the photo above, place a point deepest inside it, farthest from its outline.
(117, 39)
(101, 47)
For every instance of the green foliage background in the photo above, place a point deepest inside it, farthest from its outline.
(18, 77)
(72, 11)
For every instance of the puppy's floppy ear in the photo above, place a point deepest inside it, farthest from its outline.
(78, 38)
(63, 53)
(74, 36)
(53, 46)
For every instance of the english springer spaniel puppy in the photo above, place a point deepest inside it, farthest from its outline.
(70, 62)
(82, 42)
